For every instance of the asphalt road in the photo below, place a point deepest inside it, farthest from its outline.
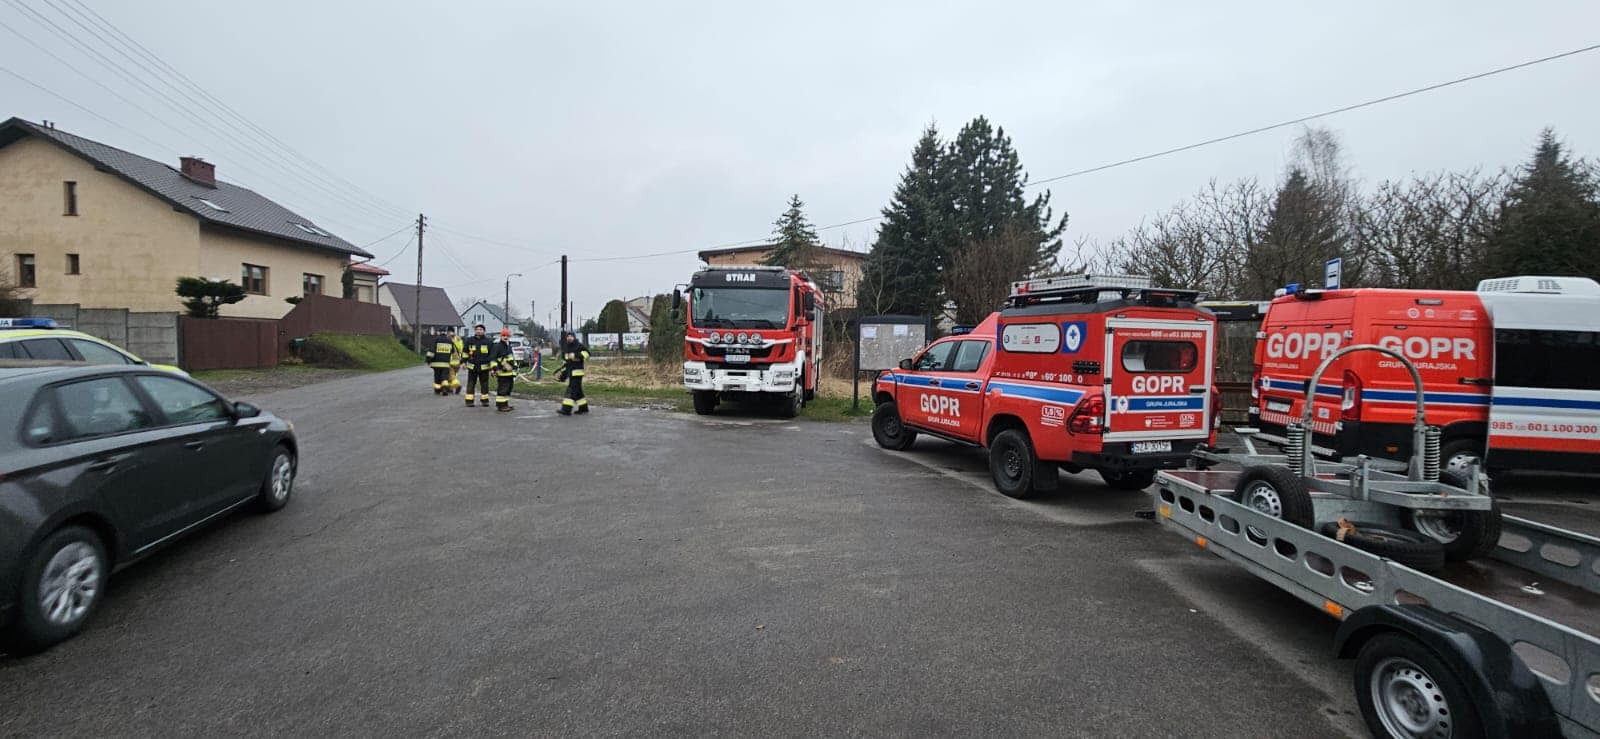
(451, 571)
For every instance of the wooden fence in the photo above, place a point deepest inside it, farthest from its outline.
(228, 343)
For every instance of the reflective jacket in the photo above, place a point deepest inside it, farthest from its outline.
(443, 349)
(505, 363)
(575, 355)
(460, 350)
(478, 350)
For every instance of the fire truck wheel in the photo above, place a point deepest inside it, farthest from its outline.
(1408, 548)
(1128, 479)
(1405, 689)
(887, 429)
(1012, 463)
(1277, 492)
(790, 405)
(1464, 534)
(705, 402)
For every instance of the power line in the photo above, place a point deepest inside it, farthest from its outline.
(265, 136)
(403, 249)
(397, 232)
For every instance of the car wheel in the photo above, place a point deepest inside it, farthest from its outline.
(1128, 479)
(888, 430)
(705, 402)
(1012, 463)
(61, 586)
(279, 485)
(1408, 548)
(1465, 535)
(1404, 689)
(1277, 492)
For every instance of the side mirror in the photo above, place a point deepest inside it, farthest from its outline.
(677, 298)
(906, 364)
(811, 302)
(245, 410)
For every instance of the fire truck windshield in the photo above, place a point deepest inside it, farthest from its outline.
(740, 307)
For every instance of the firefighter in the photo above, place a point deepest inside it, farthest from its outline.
(455, 362)
(478, 350)
(575, 354)
(505, 370)
(438, 356)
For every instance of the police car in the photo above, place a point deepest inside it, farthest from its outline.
(1509, 371)
(43, 339)
(1075, 373)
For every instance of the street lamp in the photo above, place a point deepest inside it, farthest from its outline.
(508, 297)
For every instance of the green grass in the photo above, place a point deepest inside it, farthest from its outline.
(347, 351)
(234, 374)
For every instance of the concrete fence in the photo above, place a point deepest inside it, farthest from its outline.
(151, 336)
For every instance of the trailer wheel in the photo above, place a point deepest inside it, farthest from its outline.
(888, 430)
(1405, 690)
(1277, 492)
(705, 402)
(1408, 548)
(1459, 455)
(1012, 463)
(1128, 479)
(1465, 535)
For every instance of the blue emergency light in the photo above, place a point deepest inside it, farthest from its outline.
(27, 323)
(959, 330)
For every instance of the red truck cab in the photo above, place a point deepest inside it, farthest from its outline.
(1080, 372)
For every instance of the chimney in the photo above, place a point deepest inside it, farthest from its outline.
(199, 171)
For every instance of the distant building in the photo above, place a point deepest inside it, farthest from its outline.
(639, 315)
(838, 277)
(438, 312)
(85, 223)
(491, 315)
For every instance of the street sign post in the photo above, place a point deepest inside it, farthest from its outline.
(1331, 276)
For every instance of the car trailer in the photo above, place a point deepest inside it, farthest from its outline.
(1392, 499)
(1503, 640)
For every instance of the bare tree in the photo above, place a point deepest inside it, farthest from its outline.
(1429, 231)
(981, 272)
(1201, 243)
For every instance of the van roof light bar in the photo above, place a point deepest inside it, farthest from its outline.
(28, 323)
(1086, 280)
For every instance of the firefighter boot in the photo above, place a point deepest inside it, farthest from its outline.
(483, 400)
(469, 398)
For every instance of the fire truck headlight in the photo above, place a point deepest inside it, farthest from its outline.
(742, 337)
(714, 337)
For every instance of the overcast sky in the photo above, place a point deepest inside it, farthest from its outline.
(597, 131)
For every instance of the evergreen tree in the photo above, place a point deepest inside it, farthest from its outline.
(902, 271)
(613, 318)
(795, 243)
(666, 334)
(1304, 229)
(203, 297)
(1549, 222)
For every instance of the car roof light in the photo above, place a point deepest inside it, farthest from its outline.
(27, 323)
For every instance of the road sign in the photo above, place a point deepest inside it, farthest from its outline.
(1335, 270)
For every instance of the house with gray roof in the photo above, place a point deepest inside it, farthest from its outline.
(438, 312)
(83, 222)
(491, 315)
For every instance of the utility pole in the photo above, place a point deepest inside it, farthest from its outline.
(416, 322)
(564, 312)
(508, 297)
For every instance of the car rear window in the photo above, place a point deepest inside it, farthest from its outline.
(9, 350)
(1160, 356)
(45, 349)
(98, 407)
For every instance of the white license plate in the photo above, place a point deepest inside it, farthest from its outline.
(1151, 447)
(737, 358)
(1278, 406)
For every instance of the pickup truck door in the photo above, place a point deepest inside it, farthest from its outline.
(930, 395)
(1158, 379)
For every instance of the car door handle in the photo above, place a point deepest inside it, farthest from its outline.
(934, 383)
(972, 386)
(195, 445)
(1479, 381)
(104, 465)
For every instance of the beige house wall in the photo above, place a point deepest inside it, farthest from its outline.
(850, 265)
(132, 246)
(224, 253)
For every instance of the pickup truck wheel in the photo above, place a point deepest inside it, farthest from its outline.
(1128, 479)
(1012, 463)
(1277, 492)
(1406, 547)
(1405, 690)
(888, 430)
(1465, 535)
(705, 402)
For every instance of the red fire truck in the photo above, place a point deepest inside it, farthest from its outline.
(753, 333)
(1081, 372)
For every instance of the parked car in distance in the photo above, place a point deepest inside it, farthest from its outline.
(42, 339)
(102, 465)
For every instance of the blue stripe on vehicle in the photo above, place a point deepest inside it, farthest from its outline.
(960, 386)
(1410, 396)
(1583, 405)
(1299, 388)
(1053, 395)
(1168, 403)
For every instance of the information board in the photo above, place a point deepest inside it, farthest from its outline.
(885, 340)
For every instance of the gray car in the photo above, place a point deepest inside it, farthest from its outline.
(101, 466)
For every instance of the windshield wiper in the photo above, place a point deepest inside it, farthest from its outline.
(710, 322)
